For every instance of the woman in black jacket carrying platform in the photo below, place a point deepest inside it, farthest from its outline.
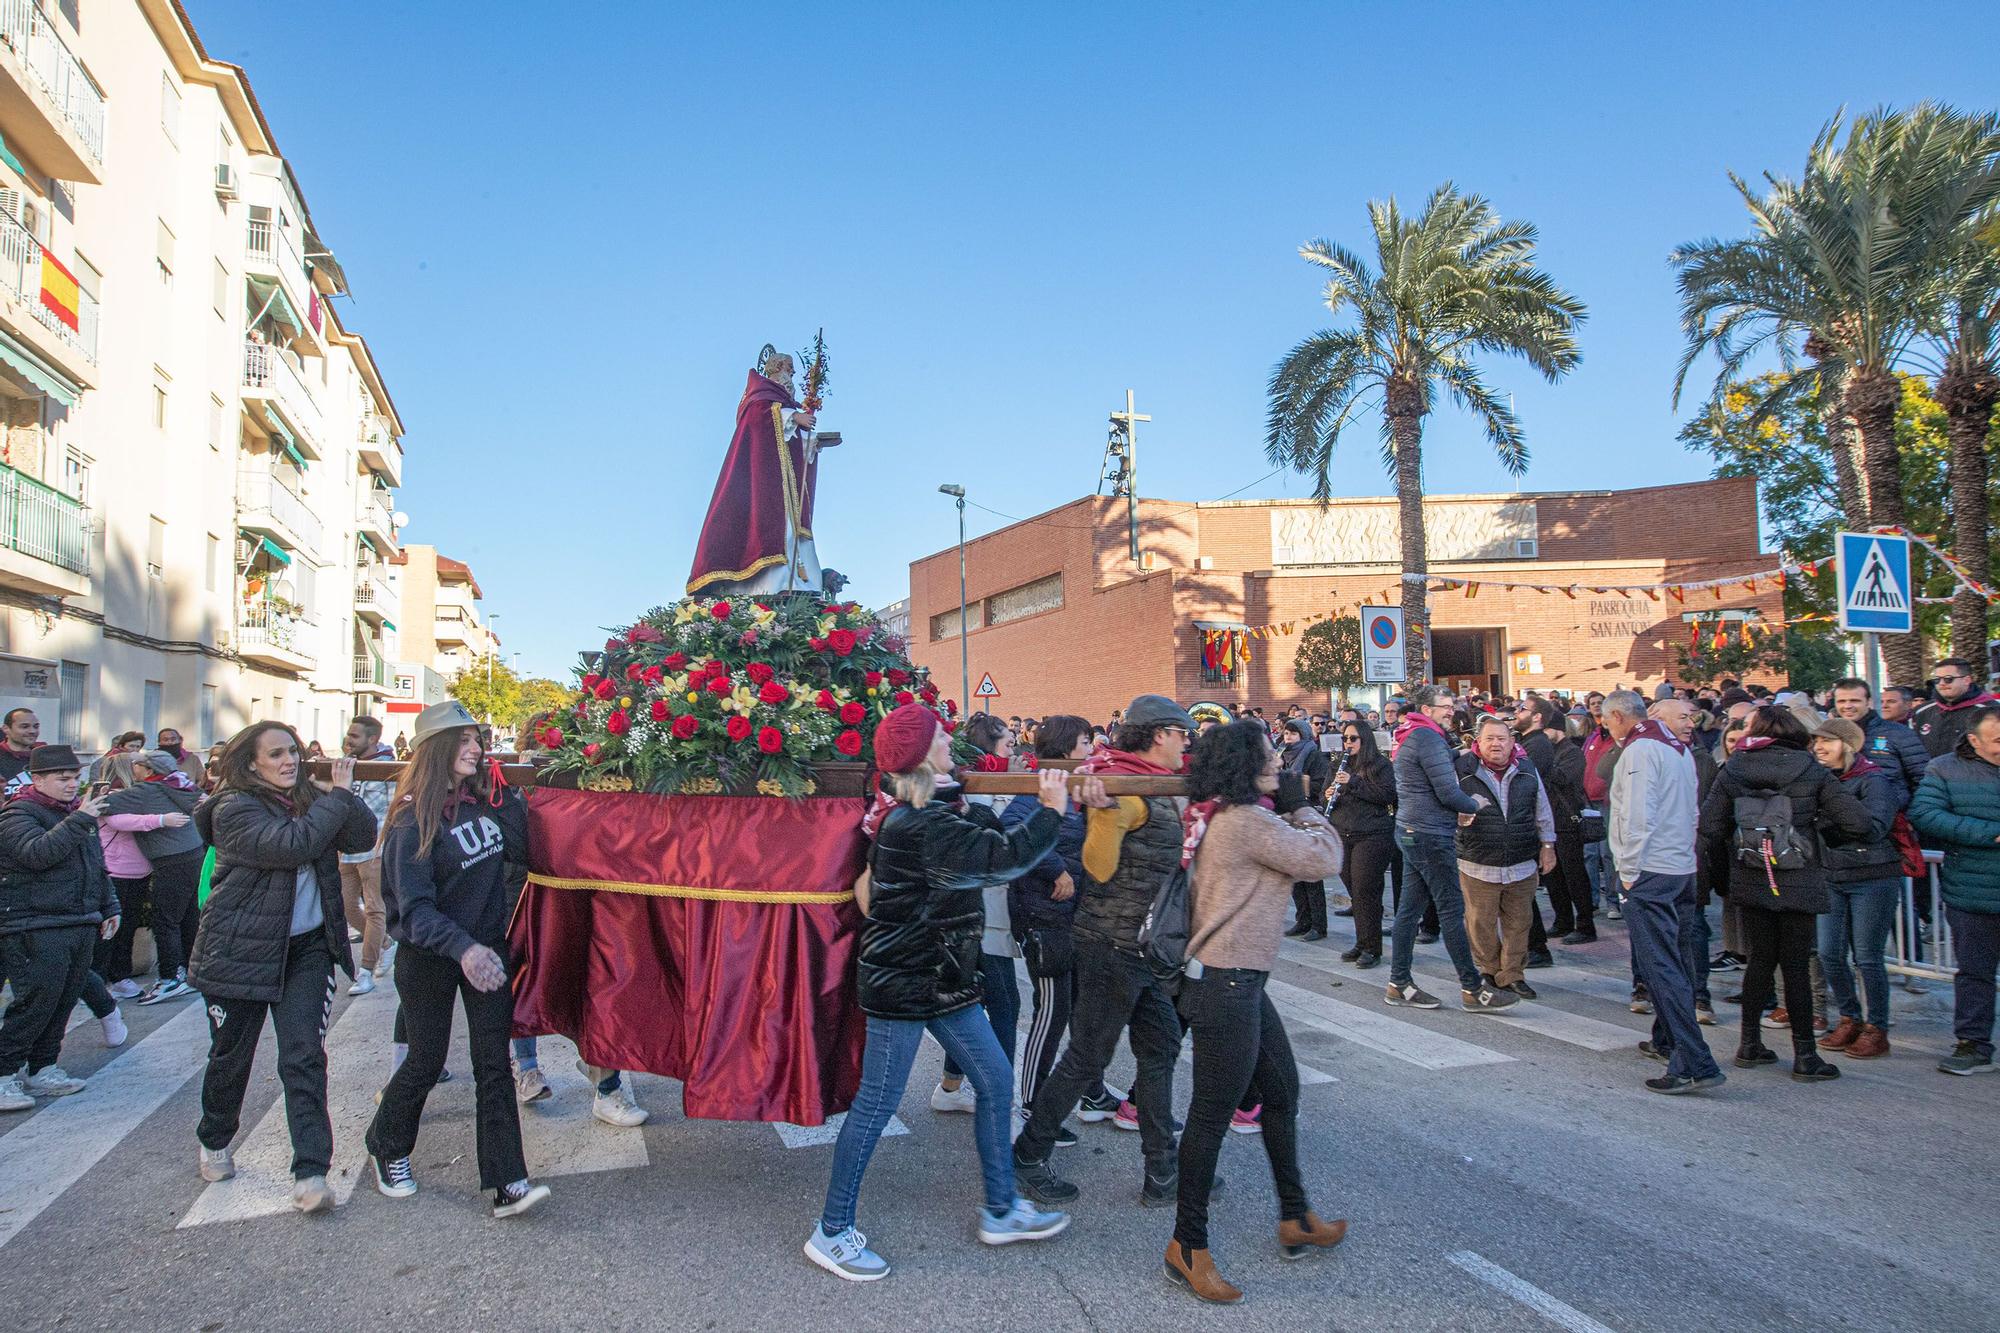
(271, 937)
(445, 847)
(1780, 881)
(1364, 814)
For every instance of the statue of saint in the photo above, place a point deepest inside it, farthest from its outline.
(757, 539)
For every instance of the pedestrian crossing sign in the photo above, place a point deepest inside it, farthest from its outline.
(1874, 569)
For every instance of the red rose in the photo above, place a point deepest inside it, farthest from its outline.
(590, 750)
(898, 676)
(604, 690)
(848, 743)
(613, 645)
(826, 702)
(773, 693)
(873, 678)
(1034, 764)
(659, 710)
(653, 675)
(770, 740)
(841, 641)
(951, 728)
(618, 724)
(685, 727)
(720, 610)
(864, 634)
(674, 661)
(930, 694)
(643, 633)
(720, 685)
(951, 708)
(634, 671)
(590, 679)
(817, 644)
(904, 697)
(738, 727)
(852, 713)
(552, 739)
(713, 668)
(759, 672)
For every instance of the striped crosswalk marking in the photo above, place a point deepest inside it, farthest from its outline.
(1408, 1042)
(817, 1136)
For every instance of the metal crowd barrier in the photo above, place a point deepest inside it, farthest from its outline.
(1920, 944)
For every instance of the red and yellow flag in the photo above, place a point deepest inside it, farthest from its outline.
(59, 291)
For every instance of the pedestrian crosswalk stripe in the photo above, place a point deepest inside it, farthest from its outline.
(559, 1135)
(1408, 1042)
(61, 1140)
(816, 1136)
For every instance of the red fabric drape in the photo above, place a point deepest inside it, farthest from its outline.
(751, 1004)
(744, 531)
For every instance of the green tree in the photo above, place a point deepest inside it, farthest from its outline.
(1330, 657)
(1705, 664)
(539, 695)
(489, 689)
(1447, 286)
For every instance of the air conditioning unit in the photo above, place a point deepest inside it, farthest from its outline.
(245, 548)
(1204, 562)
(1527, 548)
(225, 181)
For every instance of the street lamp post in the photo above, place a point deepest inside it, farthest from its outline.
(492, 642)
(957, 493)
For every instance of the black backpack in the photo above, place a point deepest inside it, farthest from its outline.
(1769, 836)
(1163, 936)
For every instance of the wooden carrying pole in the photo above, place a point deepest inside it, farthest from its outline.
(976, 784)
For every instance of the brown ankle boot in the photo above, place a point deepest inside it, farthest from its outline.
(1870, 1043)
(1196, 1272)
(1295, 1237)
(1842, 1035)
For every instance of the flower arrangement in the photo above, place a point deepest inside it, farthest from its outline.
(716, 695)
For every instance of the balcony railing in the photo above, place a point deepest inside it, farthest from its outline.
(370, 670)
(269, 371)
(42, 522)
(376, 508)
(268, 242)
(21, 274)
(33, 36)
(261, 625)
(270, 491)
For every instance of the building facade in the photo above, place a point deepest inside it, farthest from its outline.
(1063, 619)
(443, 629)
(200, 458)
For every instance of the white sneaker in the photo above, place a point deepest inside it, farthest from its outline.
(517, 1198)
(53, 1082)
(217, 1164)
(311, 1195)
(386, 963)
(166, 988)
(616, 1107)
(1023, 1221)
(12, 1098)
(530, 1086)
(124, 990)
(353, 935)
(115, 1031)
(846, 1255)
(364, 982)
(961, 1098)
(394, 1178)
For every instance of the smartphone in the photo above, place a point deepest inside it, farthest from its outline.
(98, 789)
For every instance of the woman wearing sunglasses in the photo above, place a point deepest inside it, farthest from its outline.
(1364, 814)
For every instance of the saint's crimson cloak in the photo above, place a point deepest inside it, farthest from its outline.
(744, 533)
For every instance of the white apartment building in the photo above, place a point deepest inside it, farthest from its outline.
(197, 484)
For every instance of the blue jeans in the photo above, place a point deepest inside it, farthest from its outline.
(1975, 937)
(1862, 912)
(1001, 996)
(525, 1058)
(1597, 866)
(1657, 908)
(891, 1049)
(1695, 939)
(1430, 875)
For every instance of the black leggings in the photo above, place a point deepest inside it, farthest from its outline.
(1368, 859)
(112, 958)
(1776, 938)
(175, 916)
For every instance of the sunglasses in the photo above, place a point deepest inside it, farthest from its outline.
(1951, 680)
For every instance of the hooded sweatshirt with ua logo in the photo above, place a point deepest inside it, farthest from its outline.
(456, 896)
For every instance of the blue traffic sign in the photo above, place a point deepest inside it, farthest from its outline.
(1875, 595)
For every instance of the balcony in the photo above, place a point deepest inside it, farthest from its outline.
(41, 304)
(266, 634)
(272, 383)
(373, 599)
(379, 448)
(373, 521)
(269, 249)
(44, 538)
(453, 629)
(371, 674)
(53, 109)
(268, 504)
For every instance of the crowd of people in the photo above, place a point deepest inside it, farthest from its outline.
(1794, 819)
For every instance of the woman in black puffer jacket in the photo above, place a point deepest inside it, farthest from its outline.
(1364, 814)
(1780, 883)
(919, 971)
(270, 938)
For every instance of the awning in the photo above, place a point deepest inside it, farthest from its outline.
(290, 448)
(388, 624)
(1220, 624)
(267, 296)
(39, 372)
(275, 551)
(7, 156)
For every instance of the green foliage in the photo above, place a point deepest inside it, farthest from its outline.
(538, 695)
(494, 697)
(1814, 661)
(1706, 664)
(1329, 657)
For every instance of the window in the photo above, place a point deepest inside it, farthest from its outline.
(1029, 599)
(156, 547)
(170, 109)
(944, 625)
(76, 476)
(159, 406)
(221, 298)
(215, 419)
(151, 724)
(163, 252)
(205, 718)
(34, 216)
(75, 703)
(211, 563)
(1225, 650)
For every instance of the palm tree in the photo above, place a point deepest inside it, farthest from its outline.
(1449, 284)
(1842, 261)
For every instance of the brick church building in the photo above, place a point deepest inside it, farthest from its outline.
(1064, 620)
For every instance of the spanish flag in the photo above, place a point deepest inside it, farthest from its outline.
(59, 290)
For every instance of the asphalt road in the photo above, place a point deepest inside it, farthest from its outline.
(1498, 1173)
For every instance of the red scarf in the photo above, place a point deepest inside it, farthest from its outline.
(1410, 722)
(39, 797)
(1194, 824)
(1104, 759)
(1653, 729)
(1501, 769)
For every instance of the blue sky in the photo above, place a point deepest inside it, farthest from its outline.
(567, 241)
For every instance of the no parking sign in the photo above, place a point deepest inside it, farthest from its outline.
(1382, 646)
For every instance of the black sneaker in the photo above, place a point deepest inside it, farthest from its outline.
(1750, 1056)
(1725, 962)
(1427, 937)
(1350, 955)
(1065, 1137)
(1368, 960)
(1298, 928)
(1651, 1052)
(517, 1198)
(1674, 1085)
(1539, 958)
(1965, 1060)
(1313, 936)
(1039, 1181)
(1523, 989)
(1811, 1069)
(1164, 1191)
(1093, 1109)
(1580, 937)
(394, 1178)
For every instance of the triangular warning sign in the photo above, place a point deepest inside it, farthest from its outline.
(1875, 588)
(987, 689)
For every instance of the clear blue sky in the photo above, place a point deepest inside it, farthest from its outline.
(567, 240)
